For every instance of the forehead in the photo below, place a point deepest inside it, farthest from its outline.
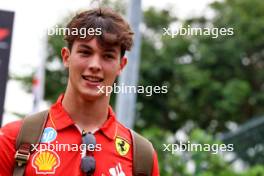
(95, 45)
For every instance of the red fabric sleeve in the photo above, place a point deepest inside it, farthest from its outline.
(155, 170)
(8, 135)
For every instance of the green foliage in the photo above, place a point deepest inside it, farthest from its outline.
(168, 163)
(154, 18)
(211, 81)
(56, 75)
(205, 163)
(255, 171)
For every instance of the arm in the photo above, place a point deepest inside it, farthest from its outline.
(8, 135)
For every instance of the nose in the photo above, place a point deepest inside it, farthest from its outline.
(94, 65)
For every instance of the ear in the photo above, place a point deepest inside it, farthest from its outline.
(123, 63)
(65, 54)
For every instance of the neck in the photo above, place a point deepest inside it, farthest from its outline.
(89, 115)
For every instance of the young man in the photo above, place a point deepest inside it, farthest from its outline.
(81, 134)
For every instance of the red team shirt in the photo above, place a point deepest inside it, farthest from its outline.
(60, 152)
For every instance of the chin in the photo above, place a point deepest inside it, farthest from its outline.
(92, 95)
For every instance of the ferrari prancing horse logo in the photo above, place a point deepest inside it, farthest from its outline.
(122, 146)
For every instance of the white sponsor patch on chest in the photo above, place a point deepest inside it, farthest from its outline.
(117, 171)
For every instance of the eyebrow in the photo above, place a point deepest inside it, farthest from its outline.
(110, 50)
(104, 49)
(85, 46)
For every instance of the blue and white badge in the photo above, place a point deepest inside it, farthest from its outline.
(49, 135)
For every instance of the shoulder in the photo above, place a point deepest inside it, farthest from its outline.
(131, 134)
(144, 155)
(11, 130)
(123, 131)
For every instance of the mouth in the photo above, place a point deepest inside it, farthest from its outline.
(93, 79)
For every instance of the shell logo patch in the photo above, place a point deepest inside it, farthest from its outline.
(122, 146)
(46, 162)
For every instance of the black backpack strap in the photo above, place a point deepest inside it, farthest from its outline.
(142, 155)
(30, 133)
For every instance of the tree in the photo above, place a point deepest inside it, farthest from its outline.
(204, 163)
(211, 81)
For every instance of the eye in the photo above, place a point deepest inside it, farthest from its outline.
(84, 52)
(109, 56)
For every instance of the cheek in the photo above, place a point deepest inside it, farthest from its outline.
(75, 70)
(77, 65)
(111, 69)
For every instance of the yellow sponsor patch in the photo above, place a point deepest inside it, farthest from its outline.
(122, 146)
(46, 162)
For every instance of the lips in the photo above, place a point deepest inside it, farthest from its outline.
(94, 79)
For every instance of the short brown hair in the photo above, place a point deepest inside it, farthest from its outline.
(115, 30)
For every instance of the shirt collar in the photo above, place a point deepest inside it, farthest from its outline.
(109, 128)
(61, 119)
